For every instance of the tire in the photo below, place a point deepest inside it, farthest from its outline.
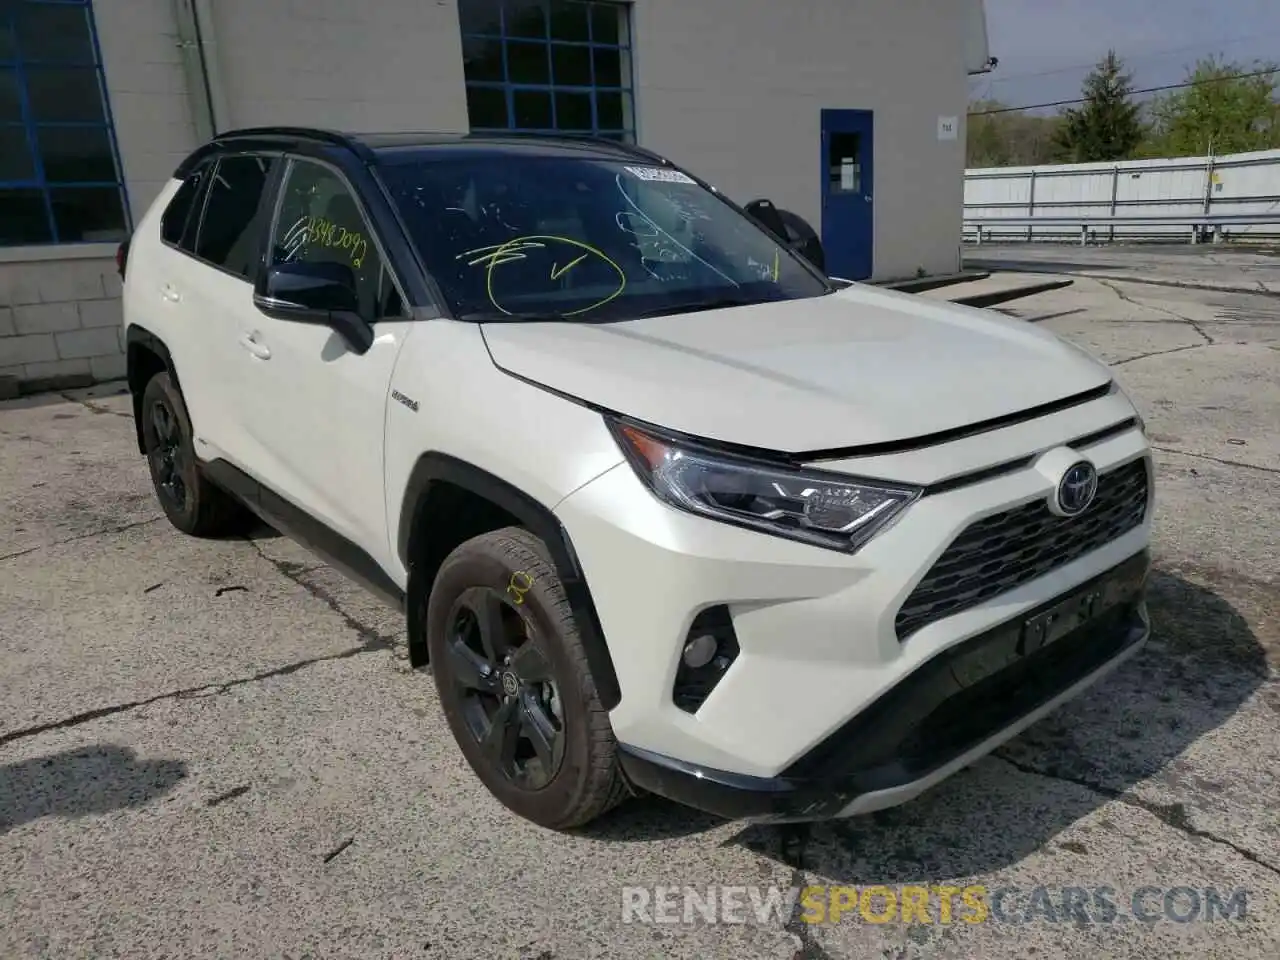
(192, 504)
(507, 578)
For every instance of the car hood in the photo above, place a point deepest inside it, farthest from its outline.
(862, 366)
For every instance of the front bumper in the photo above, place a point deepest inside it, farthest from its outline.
(816, 629)
(954, 709)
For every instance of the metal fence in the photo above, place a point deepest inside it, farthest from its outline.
(1223, 198)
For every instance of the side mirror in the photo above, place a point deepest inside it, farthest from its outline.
(804, 240)
(767, 215)
(320, 293)
(792, 229)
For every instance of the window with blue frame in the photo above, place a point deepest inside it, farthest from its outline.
(59, 172)
(548, 66)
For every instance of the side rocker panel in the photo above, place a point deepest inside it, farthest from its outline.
(540, 521)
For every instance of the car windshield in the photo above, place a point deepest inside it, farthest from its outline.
(518, 237)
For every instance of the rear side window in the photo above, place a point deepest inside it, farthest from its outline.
(229, 232)
(181, 218)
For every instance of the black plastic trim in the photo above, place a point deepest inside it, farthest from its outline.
(539, 520)
(863, 737)
(1089, 440)
(816, 457)
(977, 476)
(144, 338)
(310, 532)
(1011, 466)
(860, 758)
(970, 430)
(273, 138)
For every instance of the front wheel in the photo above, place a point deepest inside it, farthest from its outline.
(514, 684)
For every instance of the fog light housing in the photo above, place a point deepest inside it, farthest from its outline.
(710, 649)
(700, 651)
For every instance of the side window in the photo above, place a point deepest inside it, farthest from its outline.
(320, 222)
(181, 218)
(227, 235)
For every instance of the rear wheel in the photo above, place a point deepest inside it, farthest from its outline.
(192, 504)
(514, 684)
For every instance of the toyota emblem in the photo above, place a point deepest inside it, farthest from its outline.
(1077, 488)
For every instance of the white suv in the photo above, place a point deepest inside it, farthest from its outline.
(667, 509)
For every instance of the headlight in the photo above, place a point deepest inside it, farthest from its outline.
(826, 510)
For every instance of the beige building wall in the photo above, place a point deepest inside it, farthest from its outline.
(734, 89)
(731, 89)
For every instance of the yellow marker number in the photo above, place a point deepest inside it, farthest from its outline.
(520, 584)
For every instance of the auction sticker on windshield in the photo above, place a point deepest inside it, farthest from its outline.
(660, 175)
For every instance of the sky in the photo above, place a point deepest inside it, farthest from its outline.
(1045, 47)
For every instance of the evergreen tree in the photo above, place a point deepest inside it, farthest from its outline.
(1108, 125)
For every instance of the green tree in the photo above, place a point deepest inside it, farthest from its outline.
(1008, 138)
(1108, 125)
(1224, 111)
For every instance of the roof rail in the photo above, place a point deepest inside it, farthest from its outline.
(585, 138)
(332, 137)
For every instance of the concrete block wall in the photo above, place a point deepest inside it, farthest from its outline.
(60, 324)
(60, 318)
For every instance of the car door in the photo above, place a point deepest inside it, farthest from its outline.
(170, 299)
(315, 408)
(213, 293)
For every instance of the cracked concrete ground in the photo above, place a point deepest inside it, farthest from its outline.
(1223, 267)
(216, 748)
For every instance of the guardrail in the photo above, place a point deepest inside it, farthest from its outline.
(1233, 196)
(1199, 226)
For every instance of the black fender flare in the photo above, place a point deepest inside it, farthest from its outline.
(538, 519)
(141, 337)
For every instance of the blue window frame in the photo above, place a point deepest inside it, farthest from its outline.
(60, 176)
(548, 66)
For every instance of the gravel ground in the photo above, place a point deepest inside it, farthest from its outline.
(216, 748)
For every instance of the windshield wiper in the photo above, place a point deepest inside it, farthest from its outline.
(497, 317)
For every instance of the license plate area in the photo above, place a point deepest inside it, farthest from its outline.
(1083, 605)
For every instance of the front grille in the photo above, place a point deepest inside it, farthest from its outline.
(1002, 552)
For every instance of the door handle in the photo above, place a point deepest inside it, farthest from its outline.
(254, 347)
(170, 294)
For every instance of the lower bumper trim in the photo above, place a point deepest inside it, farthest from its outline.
(935, 722)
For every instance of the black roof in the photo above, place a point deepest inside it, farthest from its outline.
(370, 145)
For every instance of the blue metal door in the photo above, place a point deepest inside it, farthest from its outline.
(847, 222)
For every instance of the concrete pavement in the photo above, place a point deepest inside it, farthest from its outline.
(1204, 266)
(217, 749)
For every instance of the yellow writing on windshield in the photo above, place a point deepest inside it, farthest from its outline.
(517, 249)
(558, 271)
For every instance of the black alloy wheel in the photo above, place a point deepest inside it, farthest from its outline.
(169, 464)
(514, 685)
(506, 688)
(190, 501)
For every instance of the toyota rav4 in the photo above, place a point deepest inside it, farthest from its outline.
(666, 508)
